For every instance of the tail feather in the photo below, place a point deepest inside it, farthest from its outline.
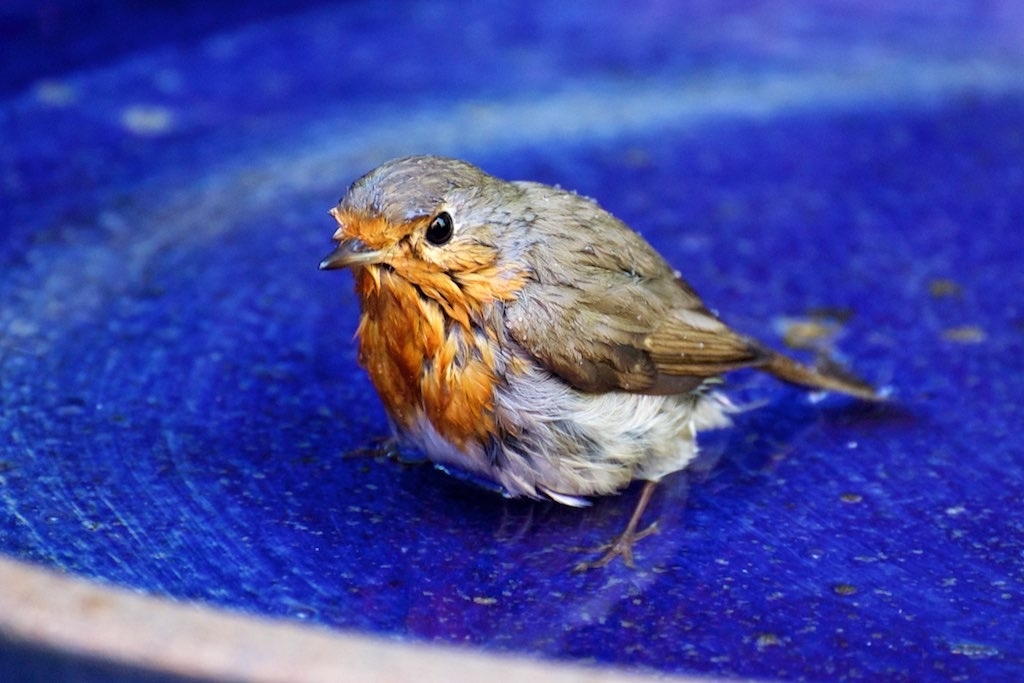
(828, 376)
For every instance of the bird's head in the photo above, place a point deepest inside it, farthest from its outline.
(440, 225)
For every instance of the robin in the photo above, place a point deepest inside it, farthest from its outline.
(520, 333)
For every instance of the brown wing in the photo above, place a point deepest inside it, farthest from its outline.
(691, 341)
(595, 347)
(612, 331)
(605, 312)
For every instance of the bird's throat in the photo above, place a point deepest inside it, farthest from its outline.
(424, 362)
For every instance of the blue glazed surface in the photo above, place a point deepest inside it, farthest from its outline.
(182, 411)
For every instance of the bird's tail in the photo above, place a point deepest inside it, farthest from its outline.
(827, 375)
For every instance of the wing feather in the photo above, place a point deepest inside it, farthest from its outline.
(605, 312)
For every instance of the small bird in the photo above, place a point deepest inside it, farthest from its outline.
(521, 334)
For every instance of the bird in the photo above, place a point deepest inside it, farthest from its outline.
(519, 333)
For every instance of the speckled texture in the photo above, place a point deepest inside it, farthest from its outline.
(182, 411)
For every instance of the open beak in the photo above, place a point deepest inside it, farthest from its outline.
(351, 253)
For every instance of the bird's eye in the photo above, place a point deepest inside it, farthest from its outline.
(440, 229)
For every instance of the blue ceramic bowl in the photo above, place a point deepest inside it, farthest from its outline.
(181, 407)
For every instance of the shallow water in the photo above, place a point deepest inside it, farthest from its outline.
(185, 413)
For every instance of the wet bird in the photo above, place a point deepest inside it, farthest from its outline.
(522, 334)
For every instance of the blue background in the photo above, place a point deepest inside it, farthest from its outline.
(180, 406)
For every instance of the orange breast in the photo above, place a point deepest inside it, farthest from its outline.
(423, 362)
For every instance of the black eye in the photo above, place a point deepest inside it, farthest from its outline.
(440, 229)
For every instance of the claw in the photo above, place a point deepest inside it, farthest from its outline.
(622, 545)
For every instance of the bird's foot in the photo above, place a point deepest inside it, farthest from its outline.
(621, 546)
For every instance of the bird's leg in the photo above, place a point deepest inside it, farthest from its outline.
(622, 545)
(390, 448)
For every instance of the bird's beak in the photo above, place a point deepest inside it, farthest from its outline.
(350, 253)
